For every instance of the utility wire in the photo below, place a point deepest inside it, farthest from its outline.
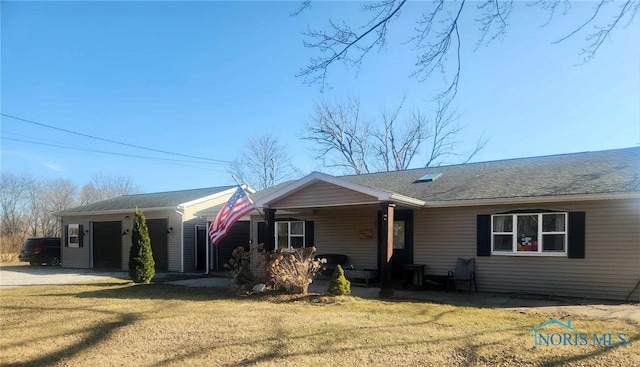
(105, 152)
(112, 141)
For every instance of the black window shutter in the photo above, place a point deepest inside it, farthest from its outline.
(65, 240)
(308, 233)
(262, 232)
(483, 234)
(80, 235)
(576, 235)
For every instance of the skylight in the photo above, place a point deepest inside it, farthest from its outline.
(429, 177)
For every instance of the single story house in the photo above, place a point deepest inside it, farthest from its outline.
(98, 235)
(566, 225)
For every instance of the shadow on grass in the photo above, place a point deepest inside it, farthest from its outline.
(158, 291)
(97, 334)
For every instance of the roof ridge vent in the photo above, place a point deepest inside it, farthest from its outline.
(429, 177)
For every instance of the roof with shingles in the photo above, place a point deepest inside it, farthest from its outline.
(589, 173)
(147, 201)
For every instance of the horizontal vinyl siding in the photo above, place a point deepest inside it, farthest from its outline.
(322, 194)
(77, 257)
(610, 269)
(337, 232)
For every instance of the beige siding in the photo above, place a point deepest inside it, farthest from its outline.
(322, 194)
(610, 269)
(82, 257)
(336, 231)
(76, 257)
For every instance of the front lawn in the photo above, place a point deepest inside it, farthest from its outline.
(118, 324)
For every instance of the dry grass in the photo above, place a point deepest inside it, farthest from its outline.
(10, 246)
(116, 324)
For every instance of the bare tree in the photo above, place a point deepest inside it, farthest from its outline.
(14, 201)
(104, 187)
(345, 139)
(264, 163)
(57, 195)
(397, 146)
(437, 37)
(341, 135)
(442, 138)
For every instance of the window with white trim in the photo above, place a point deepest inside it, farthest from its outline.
(290, 234)
(529, 233)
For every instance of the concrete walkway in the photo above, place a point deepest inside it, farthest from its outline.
(523, 303)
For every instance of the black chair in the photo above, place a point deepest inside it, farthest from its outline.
(465, 271)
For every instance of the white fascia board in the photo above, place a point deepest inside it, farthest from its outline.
(318, 176)
(115, 211)
(531, 200)
(208, 197)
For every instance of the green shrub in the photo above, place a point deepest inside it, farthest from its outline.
(141, 264)
(339, 285)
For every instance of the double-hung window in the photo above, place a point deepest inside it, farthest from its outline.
(290, 234)
(529, 233)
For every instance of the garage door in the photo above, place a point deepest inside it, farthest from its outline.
(159, 242)
(107, 245)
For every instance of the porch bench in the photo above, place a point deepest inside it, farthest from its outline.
(365, 275)
(333, 260)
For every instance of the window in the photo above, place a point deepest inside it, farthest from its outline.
(398, 234)
(529, 233)
(73, 235)
(290, 234)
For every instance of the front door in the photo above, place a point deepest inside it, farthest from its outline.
(402, 242)
(201, 248)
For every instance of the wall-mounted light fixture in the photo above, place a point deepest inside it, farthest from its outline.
(86, 231)
(170, 229)
(127, 217)
(126, 232)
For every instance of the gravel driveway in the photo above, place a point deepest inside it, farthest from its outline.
(25, 275)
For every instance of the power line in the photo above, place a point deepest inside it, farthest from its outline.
(112, 141)
(105, 152)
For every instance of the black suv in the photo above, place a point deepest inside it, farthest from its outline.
(40, 250)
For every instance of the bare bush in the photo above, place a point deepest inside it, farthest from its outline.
(294, 270)
(10, 247)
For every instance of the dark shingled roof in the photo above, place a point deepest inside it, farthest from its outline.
(147, 201)
(577, 174)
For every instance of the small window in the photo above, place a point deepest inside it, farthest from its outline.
(429, 177)
(398, 234)
(73, 236)
(290, 234)
(529, 233)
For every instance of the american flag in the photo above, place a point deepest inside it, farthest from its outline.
(238, 206)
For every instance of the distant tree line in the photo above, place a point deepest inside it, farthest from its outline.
(27, 203)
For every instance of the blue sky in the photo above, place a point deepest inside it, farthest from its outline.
(200, 78)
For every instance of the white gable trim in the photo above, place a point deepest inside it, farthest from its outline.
(314, 177)
(216, 195)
